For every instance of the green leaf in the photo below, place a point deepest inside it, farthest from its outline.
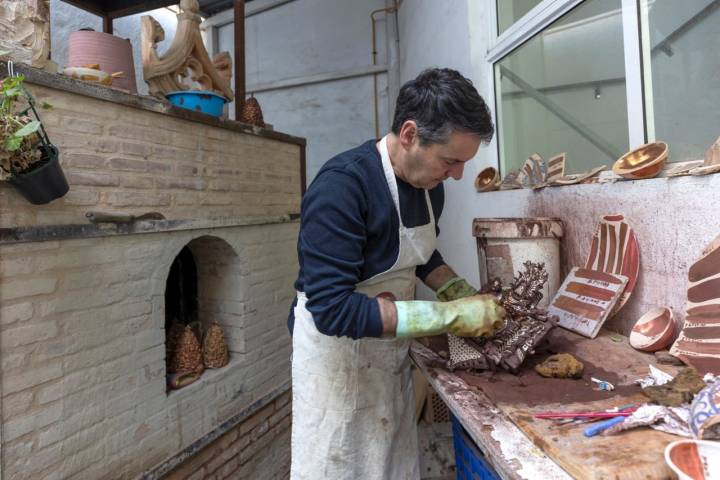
(13, 142)
(46, 106)
(31, 127)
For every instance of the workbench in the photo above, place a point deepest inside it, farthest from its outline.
(496, 409)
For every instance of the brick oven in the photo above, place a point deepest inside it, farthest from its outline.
(83, 305)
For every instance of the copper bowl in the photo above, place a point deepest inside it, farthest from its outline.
(645, 161)
(654, 331)
(487, 180)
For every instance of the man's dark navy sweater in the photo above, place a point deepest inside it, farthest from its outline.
(349, 233)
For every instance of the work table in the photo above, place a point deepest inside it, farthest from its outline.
(497, 408)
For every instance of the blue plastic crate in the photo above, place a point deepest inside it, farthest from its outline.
(469, 461)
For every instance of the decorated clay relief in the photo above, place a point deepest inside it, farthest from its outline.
(614, 249)
(699, 342)
(555, 168)
(532, 173)
(185, 59)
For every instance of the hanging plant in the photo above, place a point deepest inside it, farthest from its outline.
(28, 160)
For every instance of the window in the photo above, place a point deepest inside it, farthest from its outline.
(682, 86)
(510, 11)
(595, 78)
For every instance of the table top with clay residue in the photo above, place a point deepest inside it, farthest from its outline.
(497, 408)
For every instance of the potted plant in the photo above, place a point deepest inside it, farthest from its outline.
(28, 160)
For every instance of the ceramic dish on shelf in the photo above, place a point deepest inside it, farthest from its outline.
(487, 180)
(645, 161)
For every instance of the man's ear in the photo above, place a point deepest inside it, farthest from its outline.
(408, 133)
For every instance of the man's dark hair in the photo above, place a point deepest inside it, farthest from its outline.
(441, 100)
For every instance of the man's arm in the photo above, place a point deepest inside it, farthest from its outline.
(439, 277)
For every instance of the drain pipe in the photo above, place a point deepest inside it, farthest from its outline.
(392, 9)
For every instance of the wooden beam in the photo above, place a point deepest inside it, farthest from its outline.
(88, 6)
(107, 24)
(140, 7)
(239, 9)
(303, 170)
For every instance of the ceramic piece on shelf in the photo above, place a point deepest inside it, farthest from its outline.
(252, 113)
(532, 173)
(614, 249)
(510, 182)
(699, 342)
(645, 161)
(186, 58)
(487, 180)
(574, 178)
(654, 331)
(586, 299)
(198, 101)
(555, 168)
(111, 53)
(712, 155)
(705, 170)
(92, 75)
(694, 459)
(683, 169)
(705, 413)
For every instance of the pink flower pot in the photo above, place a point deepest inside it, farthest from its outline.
(113, 54)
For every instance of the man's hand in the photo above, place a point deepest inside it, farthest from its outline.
(475, 316)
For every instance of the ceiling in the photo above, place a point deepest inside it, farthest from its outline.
(122, 8)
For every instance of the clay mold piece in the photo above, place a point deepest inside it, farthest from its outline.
(511, 182)
(694, 459)
(614, 249)
(574, 178)
(585, 300)
(705, 413)
(712, 155)
(532, 174)
(555, 168)
(654, 331)
(699, 341)
(645, 161)
(487, 180)
(526, 327)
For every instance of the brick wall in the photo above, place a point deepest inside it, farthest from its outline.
(258, 448)
(120, 158)
(82, 344)
(82, 320)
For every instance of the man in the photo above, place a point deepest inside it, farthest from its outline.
(368, 228)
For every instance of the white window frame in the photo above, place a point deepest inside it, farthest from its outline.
(540, 17)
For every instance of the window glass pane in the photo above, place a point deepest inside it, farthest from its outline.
(564, 91)
(683, 94)
(510, 11)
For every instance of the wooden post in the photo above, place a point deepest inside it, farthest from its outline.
(107, 24)
(239, 57)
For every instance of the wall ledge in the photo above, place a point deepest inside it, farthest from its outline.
(46, 233)
(62, 82)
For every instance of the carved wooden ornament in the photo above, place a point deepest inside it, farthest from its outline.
(186, 56)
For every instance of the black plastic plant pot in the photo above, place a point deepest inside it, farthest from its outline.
(44, 184)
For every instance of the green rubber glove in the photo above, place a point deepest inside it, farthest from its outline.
(454, 289)
(476, 316)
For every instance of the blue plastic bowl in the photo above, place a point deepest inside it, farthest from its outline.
(198, 101)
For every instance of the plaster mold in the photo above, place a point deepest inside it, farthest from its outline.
(614, 250)
(699, 342)
(487, 180)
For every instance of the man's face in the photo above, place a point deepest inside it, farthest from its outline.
(431, 164)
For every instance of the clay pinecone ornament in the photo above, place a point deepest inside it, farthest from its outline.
(251, 113)
(215, 351)
(187, 356)
(173, 338)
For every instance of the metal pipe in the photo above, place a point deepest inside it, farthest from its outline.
(392, 9)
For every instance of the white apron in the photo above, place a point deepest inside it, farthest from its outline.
(353, 400)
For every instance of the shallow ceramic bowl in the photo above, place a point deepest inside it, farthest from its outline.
(705, 413)
(694, 459)
(653, 331)
(645, 161)
(487, 180)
